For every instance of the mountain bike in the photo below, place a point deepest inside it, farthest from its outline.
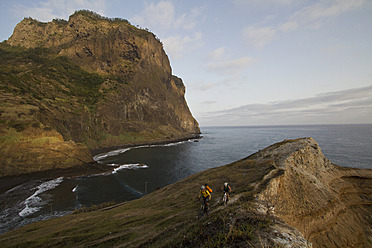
(224, 198)
(204, 209)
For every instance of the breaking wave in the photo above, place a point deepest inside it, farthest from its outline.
(34, 203)
(102, 156)
(130, 167)
(75, 189)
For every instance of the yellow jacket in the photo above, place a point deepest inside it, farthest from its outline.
(204, 193)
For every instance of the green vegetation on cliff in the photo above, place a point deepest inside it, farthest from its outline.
(92, 80)
(38, 74)
(97, 17)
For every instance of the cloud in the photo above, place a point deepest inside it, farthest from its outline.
(217, 54)
(288, 27)
(230, 70)
(47, 10)
(208, 102)
(219, 61)
(177, 46)
(231, 66)
(347, 106)
(259, 36)
(312, 16)
(176, 30)
(249, 3)
(204, 86)
(162, 16)
(315, 15)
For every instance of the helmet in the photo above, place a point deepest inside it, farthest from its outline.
(206, 184)
(226, 184)
(202, 187)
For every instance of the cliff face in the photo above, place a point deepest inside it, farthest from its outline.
(96, 81)
(330, 205)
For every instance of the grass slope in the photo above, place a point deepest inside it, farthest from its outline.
(41, 74)
(164, 218)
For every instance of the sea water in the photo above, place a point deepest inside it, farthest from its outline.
(141, 170)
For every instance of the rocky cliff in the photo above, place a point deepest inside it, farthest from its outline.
(286, 195)
(330, 205)
(86, 83)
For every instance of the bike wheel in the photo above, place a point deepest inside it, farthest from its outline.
(201, 212)
(209, 211)
(224, 199)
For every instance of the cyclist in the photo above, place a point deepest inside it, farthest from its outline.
(226, 188)
(206, 195)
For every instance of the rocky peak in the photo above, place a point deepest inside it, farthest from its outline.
(105, 45)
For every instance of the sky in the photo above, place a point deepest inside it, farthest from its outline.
(249, 62)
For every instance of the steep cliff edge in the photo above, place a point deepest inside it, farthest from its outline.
(330, 205)
(287, 195)
(89, 82)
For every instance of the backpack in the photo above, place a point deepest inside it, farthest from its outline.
(209, 189)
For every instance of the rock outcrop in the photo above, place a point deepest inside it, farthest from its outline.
(96, 82)
(330, 205)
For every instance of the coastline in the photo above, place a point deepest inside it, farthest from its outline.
(285, 175)
(97, 151)
(9, 182)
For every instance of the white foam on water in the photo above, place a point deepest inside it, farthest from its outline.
(34, 203)
(97, 175)
(74, 189)
(177, 143)
(130, 167)
(102, 156)
(171, 144)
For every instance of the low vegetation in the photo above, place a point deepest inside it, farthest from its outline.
(95, 16)
(164, 218)
(274, 198)
(42, 75)
(92, 208)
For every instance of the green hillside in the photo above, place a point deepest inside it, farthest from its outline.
(165, 218)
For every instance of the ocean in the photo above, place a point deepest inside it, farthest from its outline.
(141, 170)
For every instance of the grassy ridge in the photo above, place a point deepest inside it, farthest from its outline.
(164, 218)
